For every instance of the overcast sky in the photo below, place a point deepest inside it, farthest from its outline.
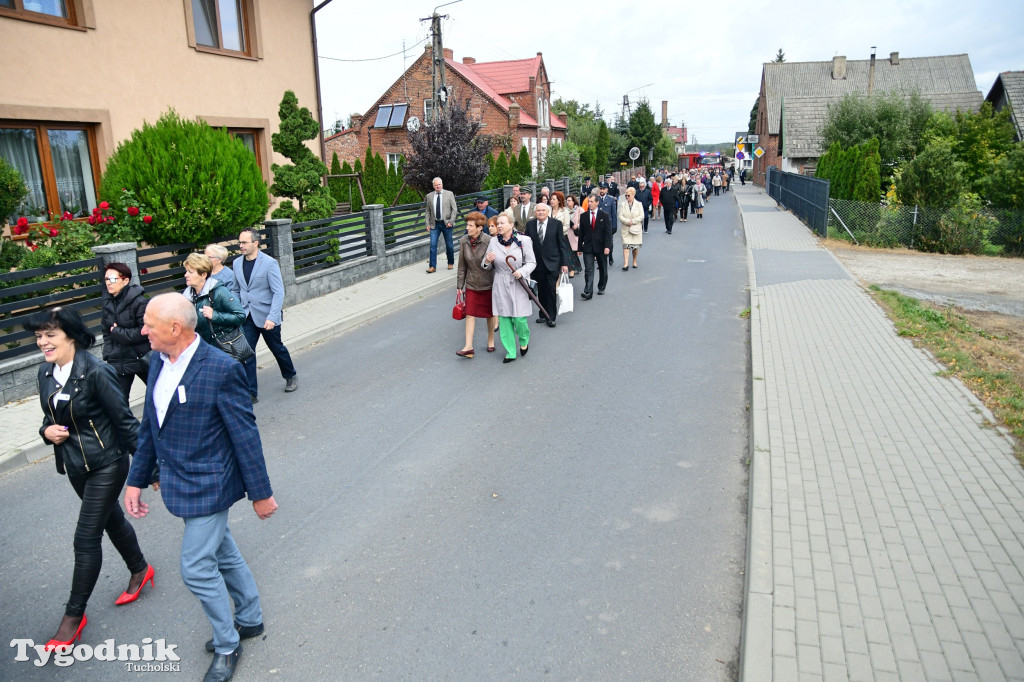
(703, 57)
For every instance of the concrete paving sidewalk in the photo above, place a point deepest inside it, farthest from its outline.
(886, 529)
(304, 325)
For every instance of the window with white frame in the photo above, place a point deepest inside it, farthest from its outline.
(394, 160)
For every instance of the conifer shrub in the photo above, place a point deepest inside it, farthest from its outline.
(302, 179)
(337, 185)
(199, 182)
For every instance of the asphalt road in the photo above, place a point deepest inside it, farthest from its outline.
(579, 514)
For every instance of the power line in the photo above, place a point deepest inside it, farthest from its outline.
(375, 59)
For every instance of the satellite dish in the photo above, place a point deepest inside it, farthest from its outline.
(413, 124)
(634, 153)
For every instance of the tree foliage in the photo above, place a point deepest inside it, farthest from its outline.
(199, 182)
(898, 121)
(1003, 187)
(302, 179)
(644, 132)
(524, 169)
(449, 149)
(665, 151)
(336, 185)
(780, 57)
(602, 149)
(12, 190)
(562, 160)
(752, 124)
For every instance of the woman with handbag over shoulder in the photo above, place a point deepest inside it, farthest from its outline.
(93, 433)
(218, 309)
(474, 282)
(631, 218)
(124, 346)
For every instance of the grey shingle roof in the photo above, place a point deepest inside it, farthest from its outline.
(1008, 90)
(799, 93)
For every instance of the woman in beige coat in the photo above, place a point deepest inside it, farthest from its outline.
(631, 220)
(474, 282)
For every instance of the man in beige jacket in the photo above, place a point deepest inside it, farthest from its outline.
(441, 213)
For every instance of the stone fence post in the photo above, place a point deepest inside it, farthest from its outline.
(375, 214)
(120, 252)
(279, 236)
(506, 194)
(550, 184)
(565, 185)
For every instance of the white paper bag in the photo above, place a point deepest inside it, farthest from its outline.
(565, 295)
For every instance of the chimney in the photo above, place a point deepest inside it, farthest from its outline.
(664, 113)
(428, 48)
(894, 58)
(356, 120)
(513, 115)
(448, 53)
(468, 60)
(838, 68)
(871, 73)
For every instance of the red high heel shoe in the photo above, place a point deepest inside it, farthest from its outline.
(55, 643)
(128, 597)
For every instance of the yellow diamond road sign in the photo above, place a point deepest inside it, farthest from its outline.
(759, 152)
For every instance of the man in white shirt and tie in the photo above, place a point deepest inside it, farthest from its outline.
(552, 254)
(441, 214)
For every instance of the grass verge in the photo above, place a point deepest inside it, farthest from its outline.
(984, 350)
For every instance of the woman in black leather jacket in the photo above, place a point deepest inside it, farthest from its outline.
(93, 433)
(124, 346)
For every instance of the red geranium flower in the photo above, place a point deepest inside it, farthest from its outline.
(144, 271)
(92, 220)
(133, 210)
(19, 229)
(96, 211)
(104, 205)
(67, 216)
(148, 219)
(22, 221)
(53, 232)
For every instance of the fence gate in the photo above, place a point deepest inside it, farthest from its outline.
(807, 197)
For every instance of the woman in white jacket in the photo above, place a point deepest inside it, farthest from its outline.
(631, 220)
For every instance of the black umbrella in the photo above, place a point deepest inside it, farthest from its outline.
(529, 291)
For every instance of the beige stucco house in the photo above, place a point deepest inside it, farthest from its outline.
(80, 75)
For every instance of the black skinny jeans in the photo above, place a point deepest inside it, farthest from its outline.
(99, 491)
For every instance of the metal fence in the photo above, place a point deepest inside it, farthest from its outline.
(320, 244)
(987, 230)
(404, 225)
(805, 196)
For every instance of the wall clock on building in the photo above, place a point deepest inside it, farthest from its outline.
(413, 124)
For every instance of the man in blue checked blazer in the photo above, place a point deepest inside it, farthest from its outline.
(198, 429)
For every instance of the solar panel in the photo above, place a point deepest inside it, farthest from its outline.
(383, 114)
(398, 115)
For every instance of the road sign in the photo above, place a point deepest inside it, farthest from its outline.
(740, 146)
(634, 153)
(740, 156)
(759, 152)
(752, 139)
(740, 140)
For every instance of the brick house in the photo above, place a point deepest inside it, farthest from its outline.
(511, 99)
(795, 96)
(81, 75)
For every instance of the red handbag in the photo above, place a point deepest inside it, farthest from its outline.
(459, 309)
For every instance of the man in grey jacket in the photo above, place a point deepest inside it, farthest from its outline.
(261, 291)
(441, 213)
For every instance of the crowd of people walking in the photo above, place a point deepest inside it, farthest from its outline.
(198, 443)
(549, 241)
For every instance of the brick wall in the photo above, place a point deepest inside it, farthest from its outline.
(414, 87)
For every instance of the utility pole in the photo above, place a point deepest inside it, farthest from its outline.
(626, 113)
(437, 76)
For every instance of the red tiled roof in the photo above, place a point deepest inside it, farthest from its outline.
(508, 76)
(511, 74)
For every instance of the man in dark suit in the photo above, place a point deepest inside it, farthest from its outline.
(552, 258)
(613, 187)
(595, 241)
(198, 425)
(669, 203)
(609, 205)
(645, 197)
(586, 190)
